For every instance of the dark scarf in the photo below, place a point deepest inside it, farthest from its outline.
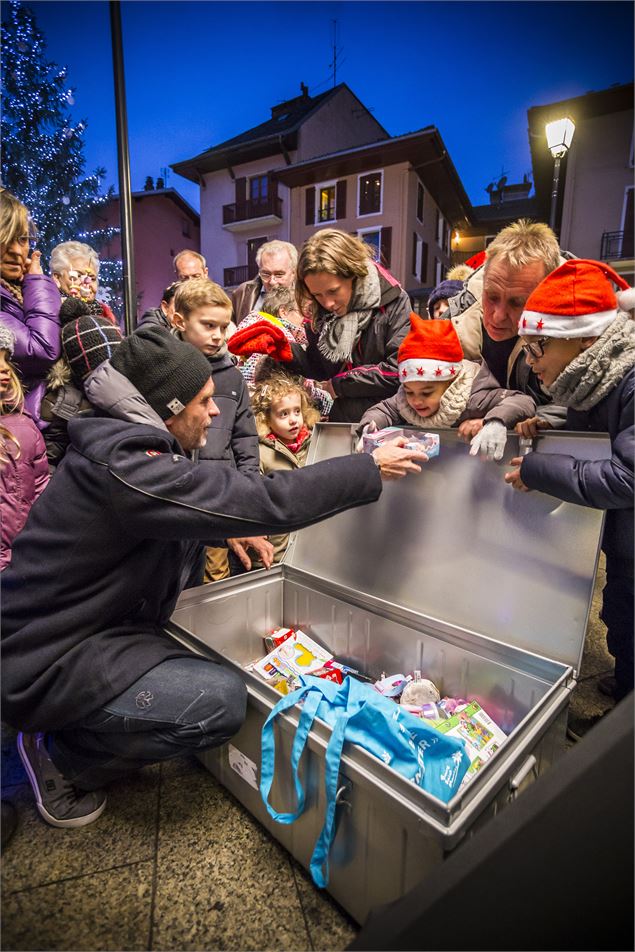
(339, 335)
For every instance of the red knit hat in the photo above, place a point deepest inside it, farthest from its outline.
(263, 337)
(431, 351)
(476, 260)
(575, 300)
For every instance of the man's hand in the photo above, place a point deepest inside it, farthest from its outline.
(529, 428)
(32, 265)
(469, 428)
(261, 546)
(369, 428)
(394, 461)
(514, 479)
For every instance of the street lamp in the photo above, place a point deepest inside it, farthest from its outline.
(559, 138)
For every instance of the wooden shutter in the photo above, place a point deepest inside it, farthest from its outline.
(424, 262)
(309, 214)
(241, 190)
(414, 253)
(340, 199)
(385, 246)
(272, 186)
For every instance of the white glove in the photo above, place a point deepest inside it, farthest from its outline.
(490, 440)
(369, 428)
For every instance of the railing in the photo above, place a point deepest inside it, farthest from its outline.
(244, 211)
(616, 245)
(235, 276)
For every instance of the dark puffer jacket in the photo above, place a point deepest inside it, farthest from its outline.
(372, 373)
(35, 325)
(232, 435)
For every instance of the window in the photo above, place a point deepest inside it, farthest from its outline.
(258, 189)
(420, 202)
(326, 203)
(417, 247)
(440, 224)
(369, 193)
(372, 236)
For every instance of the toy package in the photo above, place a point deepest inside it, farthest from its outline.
(297, 655)
(481, 735)
(427, 443)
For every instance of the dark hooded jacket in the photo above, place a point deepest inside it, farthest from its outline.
(371, 375)
(106, 550)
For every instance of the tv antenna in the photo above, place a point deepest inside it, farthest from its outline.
(333, 65)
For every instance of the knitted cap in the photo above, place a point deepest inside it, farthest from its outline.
(442, 292)
(87, 342)
(7, 339)
(167, 371)
(430, 351)
(575, 300)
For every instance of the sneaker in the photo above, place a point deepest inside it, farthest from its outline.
(59, 803)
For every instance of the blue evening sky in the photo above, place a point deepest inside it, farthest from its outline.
(198, 73)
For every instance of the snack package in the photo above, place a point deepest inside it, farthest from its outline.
(481, 735)
(299, 654)
(425, 442)
(276, 637)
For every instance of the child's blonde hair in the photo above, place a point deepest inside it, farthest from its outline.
(275, 387)
(11, 402)
(200, 292)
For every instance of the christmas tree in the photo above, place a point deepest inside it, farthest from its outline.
(43, 150)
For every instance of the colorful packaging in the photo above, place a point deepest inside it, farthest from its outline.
(329, 674)
(296, 655)
(277, 637)
(391, 686)
(428, 443)
(481, 735)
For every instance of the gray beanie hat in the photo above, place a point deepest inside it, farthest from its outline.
(167, 371)
(7, 339)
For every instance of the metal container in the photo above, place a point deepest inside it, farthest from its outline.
(485, 590)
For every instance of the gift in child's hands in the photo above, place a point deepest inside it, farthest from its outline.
(427, 443)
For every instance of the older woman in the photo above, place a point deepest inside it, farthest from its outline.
(29, 301)
(360, 317)
(75, 270)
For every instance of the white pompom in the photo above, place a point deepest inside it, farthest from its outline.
(626, 299)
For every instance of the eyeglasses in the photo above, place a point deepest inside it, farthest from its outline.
(82, 277)
(536, 348)
(265, 275)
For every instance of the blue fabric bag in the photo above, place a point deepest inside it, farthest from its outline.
(359, 714)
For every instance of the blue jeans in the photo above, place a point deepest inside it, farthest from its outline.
(180, 705)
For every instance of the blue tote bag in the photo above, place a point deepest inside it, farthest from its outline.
(359, 714)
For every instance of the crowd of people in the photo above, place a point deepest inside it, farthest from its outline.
(135, 466)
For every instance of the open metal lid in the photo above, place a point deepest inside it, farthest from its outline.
(456, 543)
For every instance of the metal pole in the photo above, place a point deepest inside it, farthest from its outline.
(123, 158)
(554, 193)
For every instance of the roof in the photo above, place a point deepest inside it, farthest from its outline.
(277, 134)
(503, 213)
(617, 98)
(425, 151)
(170, 193)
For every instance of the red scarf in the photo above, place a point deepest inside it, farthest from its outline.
(296, 445)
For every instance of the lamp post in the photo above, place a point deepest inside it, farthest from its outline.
(559, 138)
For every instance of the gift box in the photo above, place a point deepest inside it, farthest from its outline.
(427, 443)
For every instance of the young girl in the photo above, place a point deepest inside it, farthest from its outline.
(440, 389)
(582, 349)
(284, 419)
(23, 468)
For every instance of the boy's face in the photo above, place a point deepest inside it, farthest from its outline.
(424, 396)
(557, 353)
(285, 417)
(204, 328)
(439, 307)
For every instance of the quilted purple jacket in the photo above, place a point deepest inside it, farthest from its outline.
(22, 478)
(36, 326)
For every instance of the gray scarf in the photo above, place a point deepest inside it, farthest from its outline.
(338, 335)
(595, 372)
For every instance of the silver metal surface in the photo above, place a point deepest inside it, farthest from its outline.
(459, 545)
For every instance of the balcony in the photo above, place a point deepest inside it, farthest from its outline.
(232, 277)
(616, 245)
(242, 216)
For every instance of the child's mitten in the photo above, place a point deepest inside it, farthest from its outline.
(490, 440)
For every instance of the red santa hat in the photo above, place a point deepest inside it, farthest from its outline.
(476, 260)
(576, 300)
(430, 351)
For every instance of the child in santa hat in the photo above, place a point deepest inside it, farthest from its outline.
(438, 388)
(582, 349)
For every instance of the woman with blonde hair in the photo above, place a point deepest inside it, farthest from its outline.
(23, 467)
(29, 301)
(359, 317)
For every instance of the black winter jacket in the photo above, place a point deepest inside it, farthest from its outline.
(372, 373)
(601, 484)
(232, 436)
(104, 555)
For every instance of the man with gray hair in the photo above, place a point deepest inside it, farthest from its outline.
(189, 264)
(487, 311)
(277, 261)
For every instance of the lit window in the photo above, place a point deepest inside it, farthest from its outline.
(326, 203)
(370, 193)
